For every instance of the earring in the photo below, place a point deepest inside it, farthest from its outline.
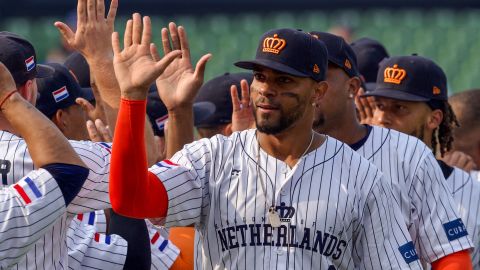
(351, 95)
(314, 104)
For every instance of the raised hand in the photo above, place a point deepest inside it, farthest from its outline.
(134, 66)
(179, 83)
(92, 38)
(242, 116)
(98, 131)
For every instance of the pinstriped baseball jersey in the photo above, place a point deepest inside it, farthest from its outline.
(50, 251)
(89, 248)
(335, 210)
(475, 175)
(466, 191)
(164, 252)
(27, 210)
(420, 190)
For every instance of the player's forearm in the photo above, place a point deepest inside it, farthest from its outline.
(108, 88)
(133, 191)
(180, 129)
(45, 142)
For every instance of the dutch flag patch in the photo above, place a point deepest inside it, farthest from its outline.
(166, 164)
(28, 191)
(30, 63)
(60, 94)
(161, 122)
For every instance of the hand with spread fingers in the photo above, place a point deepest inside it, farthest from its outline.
(135, 68)
(179, 84)
(242, 116)
(365, 108)
(92, 38)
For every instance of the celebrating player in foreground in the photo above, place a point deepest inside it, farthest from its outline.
(259, 197)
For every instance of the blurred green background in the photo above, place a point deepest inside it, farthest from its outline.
(447, 36)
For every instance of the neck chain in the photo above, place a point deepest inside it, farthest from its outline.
(273, 215)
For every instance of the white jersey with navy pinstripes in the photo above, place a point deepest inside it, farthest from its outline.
(420, 189)
(466, 192)
(27, 210)
(335, 209)
(50, 251)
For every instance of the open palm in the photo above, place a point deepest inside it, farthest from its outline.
(134, 66)
(179, 83)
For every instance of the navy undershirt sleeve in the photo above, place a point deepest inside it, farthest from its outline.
(70, 178)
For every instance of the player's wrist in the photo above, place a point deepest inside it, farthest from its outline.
(134, 94)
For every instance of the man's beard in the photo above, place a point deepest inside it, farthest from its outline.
(286, 120)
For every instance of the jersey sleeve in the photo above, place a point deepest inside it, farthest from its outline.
(27, 210)
(383, 241)
(164, 252)
(441, 231)
(89, 249)
(185, 178)
(94, 193)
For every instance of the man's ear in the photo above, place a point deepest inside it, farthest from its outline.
(320, 89)
(59, 119)
(26, 91)
(354, 85)
(434, 119)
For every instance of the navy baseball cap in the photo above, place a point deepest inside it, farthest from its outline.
(410, 78)
(369, 54)
(158, 113)
(59, 91)
(217, 92)
(77, 64)
(19, 56)
(292, 52)
(339, 52)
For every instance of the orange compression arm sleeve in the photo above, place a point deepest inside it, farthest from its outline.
(134, 191)
(457, 261)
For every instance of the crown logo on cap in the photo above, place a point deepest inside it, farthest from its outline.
(273, 44)
(436, 90)
(394, 74)
(348, 64)
(316, 69)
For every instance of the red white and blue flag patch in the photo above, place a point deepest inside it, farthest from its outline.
(163, 243)
(166, 164)
(87, 218)
(161, 122)
(102, 238)
(60, 94)
(27, 190)
(30, 63)
(106, 146)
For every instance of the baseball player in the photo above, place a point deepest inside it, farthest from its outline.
(259, 197)
(410, 103)
(417, 181)
(30, 207)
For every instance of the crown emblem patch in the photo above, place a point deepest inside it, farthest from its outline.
(394, 74)
(436, 90)
(274, 44)
(316, 69)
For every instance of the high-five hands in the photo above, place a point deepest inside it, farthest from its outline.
(135, 68)
(179, 84)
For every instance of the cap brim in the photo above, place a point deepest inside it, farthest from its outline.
(251, 65)
(202, 110)
(87, 93)
(394, 94)
(44, 71)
